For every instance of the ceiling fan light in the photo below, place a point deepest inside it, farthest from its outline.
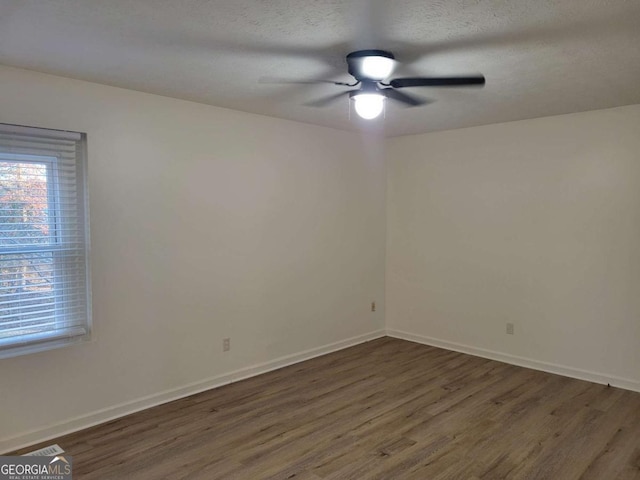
(368, 105)
(377, 67)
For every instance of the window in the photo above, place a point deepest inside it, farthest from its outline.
(44, 281)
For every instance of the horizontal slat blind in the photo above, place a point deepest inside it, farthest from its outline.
(44, 293)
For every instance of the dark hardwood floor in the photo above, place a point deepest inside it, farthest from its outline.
(386, 409)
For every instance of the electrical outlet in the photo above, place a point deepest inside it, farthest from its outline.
(373, 306)
(226, 344)
(509, 328)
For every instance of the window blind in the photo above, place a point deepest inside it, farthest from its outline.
(44, 280)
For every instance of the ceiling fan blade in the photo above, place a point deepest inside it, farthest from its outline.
(408, 100)
(323, 102)
(288, 81)
(437, 81)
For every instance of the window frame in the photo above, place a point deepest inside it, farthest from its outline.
(62, 335)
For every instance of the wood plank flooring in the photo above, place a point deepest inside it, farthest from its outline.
(386, 409)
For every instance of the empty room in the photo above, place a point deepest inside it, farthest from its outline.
(319, 239)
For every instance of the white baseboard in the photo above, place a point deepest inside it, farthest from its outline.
(594, 377)
(97, 417)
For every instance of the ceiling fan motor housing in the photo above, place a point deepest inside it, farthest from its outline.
(355, 61)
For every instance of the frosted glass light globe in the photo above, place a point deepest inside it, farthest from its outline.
(369, 105)
(377, 68)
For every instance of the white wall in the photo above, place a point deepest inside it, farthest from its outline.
(534, 222)
(206, 223)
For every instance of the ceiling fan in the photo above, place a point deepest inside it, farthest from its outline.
(370, 69)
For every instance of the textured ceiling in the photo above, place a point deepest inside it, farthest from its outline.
(540, 57)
